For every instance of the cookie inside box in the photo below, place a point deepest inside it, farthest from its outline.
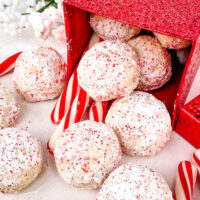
(78, 32)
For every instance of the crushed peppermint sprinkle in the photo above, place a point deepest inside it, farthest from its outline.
(141, 122)
(130, 181)
(155, 62)
(9, 108)
(40, 74)
(170, 42)
(109, 70)
(109, 29)
(86, 153)
(19, 154)
(25, 128)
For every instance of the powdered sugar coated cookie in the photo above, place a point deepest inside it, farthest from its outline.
(109, 70)
(141, 122)
(155, 62)
(170, 42)
(86, 153)
(109, 29)
(40, 74)
(183, 55)
(20, 159)
(130, 181)
(9, 108)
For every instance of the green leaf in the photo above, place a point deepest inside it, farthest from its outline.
(55, 5)
(25, 14)
(51, 3)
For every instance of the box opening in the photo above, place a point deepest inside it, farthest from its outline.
(173, 93)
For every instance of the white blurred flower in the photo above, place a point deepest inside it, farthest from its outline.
(44, 17)
(59, 1)
(59, 33)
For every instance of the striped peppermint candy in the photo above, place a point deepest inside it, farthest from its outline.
(98, 111)
(8, 65)
(185, 181)
(74, 114)
(196, 160)
(66, 99)
(78, 108)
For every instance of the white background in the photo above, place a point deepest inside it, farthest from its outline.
(35, 117)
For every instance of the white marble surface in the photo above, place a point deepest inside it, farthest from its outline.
(36, 117)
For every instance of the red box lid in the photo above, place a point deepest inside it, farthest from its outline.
(179, 18)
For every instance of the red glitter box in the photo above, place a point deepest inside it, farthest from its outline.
(188, 124)
(178, 18)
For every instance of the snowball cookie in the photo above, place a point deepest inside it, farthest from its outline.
(109, 70)
(40, 74)
(141, 122)
(172, 42)
(109, 29)
(21, 159)
(183, 55)
(131, 182)
(9, 108)
(86, 153)
(155, 62)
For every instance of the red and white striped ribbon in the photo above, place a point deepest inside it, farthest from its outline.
(8, 65)
(65, 101)
(98, 111)
(185, 181)
(196, 160)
